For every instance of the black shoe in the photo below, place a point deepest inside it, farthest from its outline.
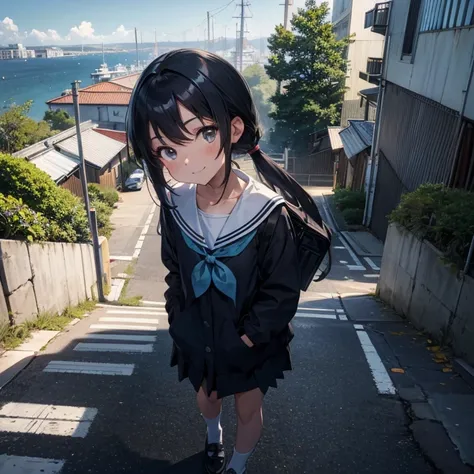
(214, 463)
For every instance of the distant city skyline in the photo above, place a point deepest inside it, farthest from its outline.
(64, 23)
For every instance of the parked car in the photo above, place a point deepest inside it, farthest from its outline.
(135, 180)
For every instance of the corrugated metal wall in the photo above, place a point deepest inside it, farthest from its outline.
(351, 109)
(388, 191)
(417, 136)
(417, 139)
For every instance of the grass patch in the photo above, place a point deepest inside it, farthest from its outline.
(12, 336)
(130, 270)
(129, 300)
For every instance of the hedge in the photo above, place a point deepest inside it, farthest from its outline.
(64, 211)
(107, 195)
(443, 216)
(17, 220)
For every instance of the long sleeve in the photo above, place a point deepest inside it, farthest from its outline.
(169, 258)
(277, 298)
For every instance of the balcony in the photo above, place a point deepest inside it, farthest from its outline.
(377, 18)
(373, 71)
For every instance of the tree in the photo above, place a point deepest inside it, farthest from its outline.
(17, 130)
(309, 62)
(59, 119)
(262, 89)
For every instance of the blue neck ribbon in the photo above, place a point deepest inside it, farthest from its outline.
(210, 269)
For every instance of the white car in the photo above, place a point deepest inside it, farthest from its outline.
(135, 180)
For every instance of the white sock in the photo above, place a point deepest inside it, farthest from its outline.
(214, 429)
(239, 461)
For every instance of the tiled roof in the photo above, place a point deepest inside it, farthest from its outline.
(106, 87)
(95, 98)
(99, 150)
(114, 134)
(127, 81)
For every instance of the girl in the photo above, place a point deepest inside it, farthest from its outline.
(233, 286)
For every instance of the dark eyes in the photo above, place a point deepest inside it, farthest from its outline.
(209, 133)
(170, 154)
(167, 153)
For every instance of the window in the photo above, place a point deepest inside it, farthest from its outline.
(412, 26)
(446, 14)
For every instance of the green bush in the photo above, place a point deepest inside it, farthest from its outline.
(103, 213)
(353, 216)
(17, 220)
(348, 199)
(441, 215)
(108, 195)
(65, 212)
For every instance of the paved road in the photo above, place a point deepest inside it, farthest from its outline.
(102, 399)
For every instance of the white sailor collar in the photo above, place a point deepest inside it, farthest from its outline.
(253, 207)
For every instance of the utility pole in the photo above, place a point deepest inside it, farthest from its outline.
(236, 46)
(287, 8)
(136, 47)
(242, 34)
(85, 192)
(208, 31)
(225, 38)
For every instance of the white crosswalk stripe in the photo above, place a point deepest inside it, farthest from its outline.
(321, 313)
(57, 420)
(90, 368)
(124, 327)
(104, 347)
(130, 320)
(120, 337)
(27, 465)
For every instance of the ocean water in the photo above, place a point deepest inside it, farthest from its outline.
(44, 79)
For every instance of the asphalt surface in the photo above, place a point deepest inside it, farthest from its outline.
(326, 417)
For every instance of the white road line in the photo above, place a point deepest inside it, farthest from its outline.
(120, 337)
(91, 368)
(146, 311)
(136, 254)
(316, 316)
(324, 310)
(153, 303)
(27, 465)
(344, 262)
(55, 420)
(342, 317)
(371, 264)
(339, 247)
(130, 320)
(124, 327)
(120, 257)
(139, 244)
(141, 238)
(356, 268)
(145, 229)
(358, 326)
(357, 262)
(371, 275)
(103, 347)
(379, 373)
(340, 311)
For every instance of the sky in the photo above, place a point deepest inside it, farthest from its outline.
(63, 22)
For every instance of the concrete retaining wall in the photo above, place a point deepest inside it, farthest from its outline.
(415, 281)
(47, 277)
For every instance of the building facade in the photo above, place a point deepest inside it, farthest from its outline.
(14, 51)
(426, 127)
(364, 56)
(49, 53)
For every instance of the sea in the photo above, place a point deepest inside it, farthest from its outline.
(42, 79)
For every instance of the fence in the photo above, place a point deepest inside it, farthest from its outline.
(74, 185)
(43, 277)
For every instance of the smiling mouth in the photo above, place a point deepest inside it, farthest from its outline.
(196, 172)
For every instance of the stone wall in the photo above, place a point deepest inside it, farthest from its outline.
(415, 281)
(43, 277)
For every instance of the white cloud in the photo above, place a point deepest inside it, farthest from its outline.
(84, 30)
(8, 29)
(121, 32)
(44, 36)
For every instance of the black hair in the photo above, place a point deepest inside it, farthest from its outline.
(211, 88)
